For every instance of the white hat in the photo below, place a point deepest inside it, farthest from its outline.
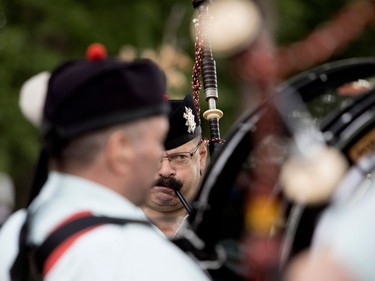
(32, 97)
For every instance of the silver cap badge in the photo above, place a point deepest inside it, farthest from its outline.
(190, 123)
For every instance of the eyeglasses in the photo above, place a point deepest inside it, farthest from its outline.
(180, 159)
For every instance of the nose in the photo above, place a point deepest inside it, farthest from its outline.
(166, 169)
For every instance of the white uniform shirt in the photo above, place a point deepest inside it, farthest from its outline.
(109, 252)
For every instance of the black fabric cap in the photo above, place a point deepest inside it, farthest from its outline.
(86, 95)
(183, 123)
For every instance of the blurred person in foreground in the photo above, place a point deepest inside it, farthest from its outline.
(104, 124)
(343, 241)
(181, 169)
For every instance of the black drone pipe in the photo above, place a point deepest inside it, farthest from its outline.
(207, 70)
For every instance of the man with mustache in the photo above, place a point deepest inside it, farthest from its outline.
(181, 168)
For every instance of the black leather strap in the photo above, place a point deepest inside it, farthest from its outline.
(67, 230)
(21, 269)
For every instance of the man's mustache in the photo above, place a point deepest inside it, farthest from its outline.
(169, 182)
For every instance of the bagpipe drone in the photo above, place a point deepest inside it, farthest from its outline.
(279, 167)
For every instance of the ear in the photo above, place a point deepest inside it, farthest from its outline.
(119, 152)
(203, 155)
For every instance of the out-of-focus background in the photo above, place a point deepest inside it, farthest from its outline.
(35, 35)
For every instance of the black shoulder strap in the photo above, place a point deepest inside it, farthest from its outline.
(20, 269)
(67, 230)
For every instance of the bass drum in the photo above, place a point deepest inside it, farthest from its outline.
(339, 98)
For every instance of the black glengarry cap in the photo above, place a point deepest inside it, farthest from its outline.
(183, 123)
(94, 93)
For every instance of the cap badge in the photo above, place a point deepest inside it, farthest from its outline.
(190, 123)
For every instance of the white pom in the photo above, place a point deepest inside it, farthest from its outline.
(32, 97)
(313, 180)
(233, 25)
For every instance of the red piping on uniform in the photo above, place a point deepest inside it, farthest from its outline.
(63, 247)
(72, 218)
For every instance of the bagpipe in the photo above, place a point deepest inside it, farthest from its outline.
(280, 167)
